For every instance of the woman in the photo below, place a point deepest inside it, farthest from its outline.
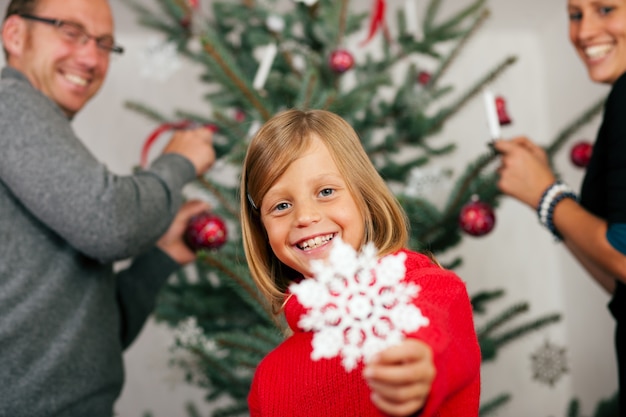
(593, 228)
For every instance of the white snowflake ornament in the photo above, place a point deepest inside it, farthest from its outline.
(357, 304)
(160, 60)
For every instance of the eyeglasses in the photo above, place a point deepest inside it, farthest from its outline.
(76, 34)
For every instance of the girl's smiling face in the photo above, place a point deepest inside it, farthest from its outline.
(307, 207)
(597, 30)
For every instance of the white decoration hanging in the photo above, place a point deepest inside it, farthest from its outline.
(275, 23)
(410, 16)
(160, 60)
(421, 181)
(298, 62)
(358, 304)
(265, 66)
(493, 122)
(307, 2)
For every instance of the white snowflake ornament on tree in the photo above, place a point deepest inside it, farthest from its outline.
(160, 60)
(358, 304)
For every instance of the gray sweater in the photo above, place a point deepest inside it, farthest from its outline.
(65, 317)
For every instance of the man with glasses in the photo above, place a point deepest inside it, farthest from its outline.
(65, 317)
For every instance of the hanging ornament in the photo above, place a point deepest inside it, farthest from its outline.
(151, 139)
(240, 116)
(581, 153)
(549, 363)
(423, 181)
(341, 61)
(275, 23)
(160, 60)
(267, 59)
(188, 7)
(503, 117)
(309, 3)
(378, 19)
(410, 19)
(492, 114)
(423, 78)
(205, 231)
(477, 218)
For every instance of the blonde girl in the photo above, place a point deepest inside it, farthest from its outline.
(306, 180)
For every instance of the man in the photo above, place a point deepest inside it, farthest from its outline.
(65, 317)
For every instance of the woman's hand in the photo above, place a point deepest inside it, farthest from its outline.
(524, 170)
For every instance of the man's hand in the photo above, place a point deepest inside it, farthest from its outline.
(195, 145)
(172, 242)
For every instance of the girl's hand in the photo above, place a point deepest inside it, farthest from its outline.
(400, 377)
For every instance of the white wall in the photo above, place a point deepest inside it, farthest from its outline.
(544, 90)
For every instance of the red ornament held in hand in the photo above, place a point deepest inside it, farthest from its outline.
(581, 154)
(205, 231)
(341, 61)
(503, 117)
(477, 218)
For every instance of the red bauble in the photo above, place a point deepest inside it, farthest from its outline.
(341, 61)
(503, 116)
(477, 218)
(581, 154)
(205, 231)
(423, 77)
(185, 22)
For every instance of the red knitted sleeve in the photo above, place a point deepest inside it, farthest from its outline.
(451, 334)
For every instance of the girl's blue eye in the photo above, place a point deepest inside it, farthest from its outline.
(326, 192)
(606, 10)
(282, 206)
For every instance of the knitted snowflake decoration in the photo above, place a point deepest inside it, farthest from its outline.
(358, 304)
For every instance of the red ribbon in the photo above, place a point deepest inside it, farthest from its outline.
(185, 124)
(378, 19)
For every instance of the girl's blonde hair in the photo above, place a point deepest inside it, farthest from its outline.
(280, 141)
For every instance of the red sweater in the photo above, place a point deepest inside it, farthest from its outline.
(287, 383)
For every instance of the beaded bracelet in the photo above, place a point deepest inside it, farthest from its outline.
(553, 195)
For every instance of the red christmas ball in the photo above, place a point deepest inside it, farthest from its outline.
(341, 61)
(503, 116)
(423, 77)
(581, 154)
(477, 218)
(205, 231)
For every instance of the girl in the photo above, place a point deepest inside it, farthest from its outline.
(306, 180)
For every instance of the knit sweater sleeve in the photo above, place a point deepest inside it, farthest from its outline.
(53, 175)
(451, 334)
(137, 289)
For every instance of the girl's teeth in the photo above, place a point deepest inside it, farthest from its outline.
(315, 242)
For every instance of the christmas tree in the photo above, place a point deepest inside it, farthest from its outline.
(313, 54)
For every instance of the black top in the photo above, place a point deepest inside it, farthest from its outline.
(604, 194)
